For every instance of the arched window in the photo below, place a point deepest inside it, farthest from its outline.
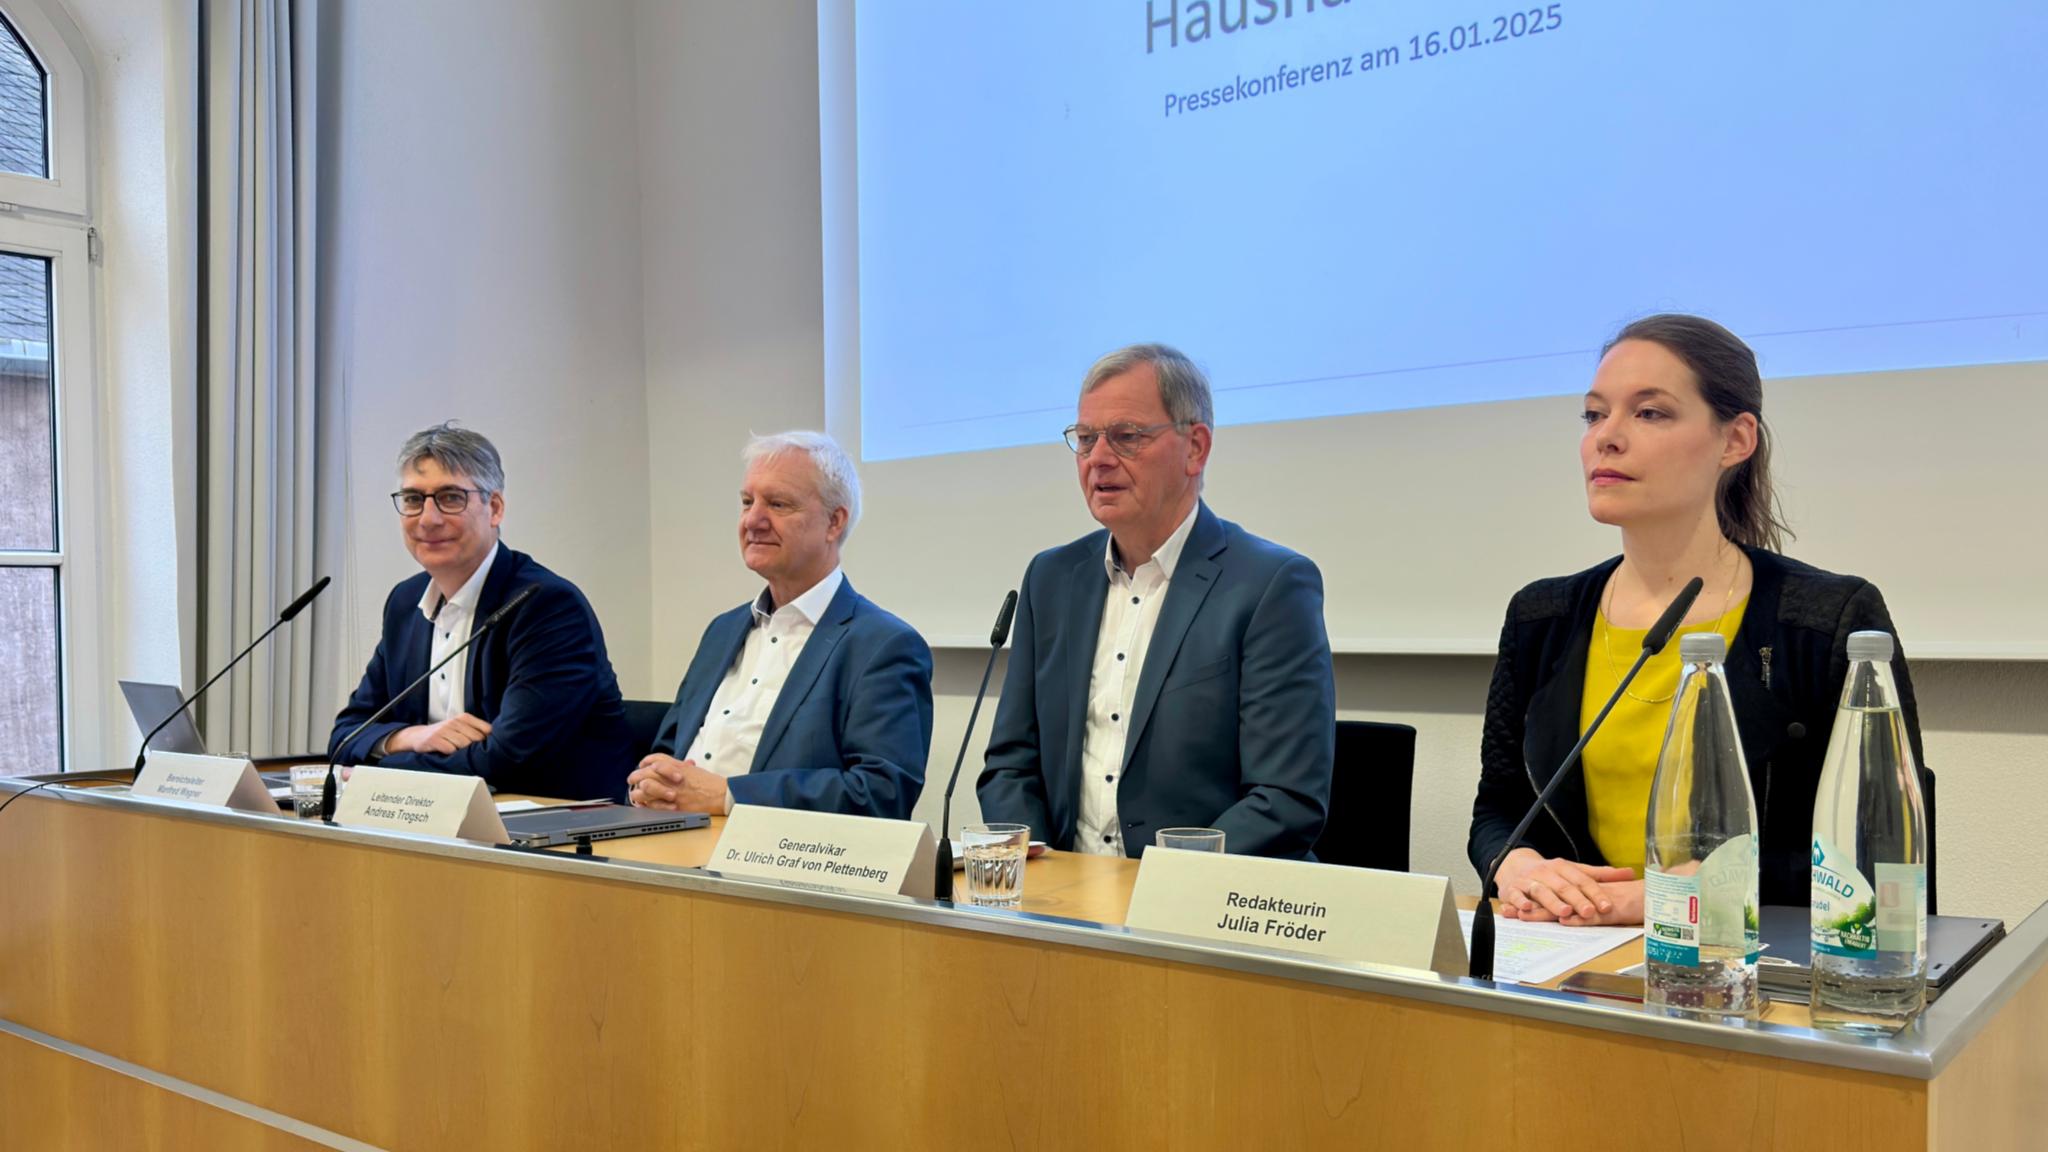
(49, 688)
(24, 108)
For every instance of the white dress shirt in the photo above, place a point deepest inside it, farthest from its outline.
(452, 619)
(1129, 615)
(732, 727)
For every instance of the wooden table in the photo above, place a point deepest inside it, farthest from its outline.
(176, 978)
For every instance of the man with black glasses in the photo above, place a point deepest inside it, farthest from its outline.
(1170, 670)
(533, 706)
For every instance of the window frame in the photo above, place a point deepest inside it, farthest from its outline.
(51, 218)
(67, 189)
(76, 556)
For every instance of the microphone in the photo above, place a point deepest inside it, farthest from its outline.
(284, 617)
(327, 790)
(942, 882)
(1654, 641)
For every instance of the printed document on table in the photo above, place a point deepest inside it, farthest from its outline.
(1531, 953)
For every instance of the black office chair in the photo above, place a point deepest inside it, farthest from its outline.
(1370, 789)
(643, 720)
(1927, 798)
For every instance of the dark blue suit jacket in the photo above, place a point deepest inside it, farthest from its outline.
(540, 679)
(849, 731)
(1234, 725)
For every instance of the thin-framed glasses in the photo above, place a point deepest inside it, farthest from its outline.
(1124, 439)
(451, 501)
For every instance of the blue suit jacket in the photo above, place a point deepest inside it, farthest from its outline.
(1234, 725)
(540, 679)
(850, 730)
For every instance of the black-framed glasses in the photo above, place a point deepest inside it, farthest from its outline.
(1124, 439)
(451, 501)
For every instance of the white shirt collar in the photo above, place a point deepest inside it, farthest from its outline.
(1168, 555)
(811, 605)
(465, 597)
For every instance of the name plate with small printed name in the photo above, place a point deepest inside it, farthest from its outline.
(1326, 910)
(860, 854)
(427, 803)
(207, 781)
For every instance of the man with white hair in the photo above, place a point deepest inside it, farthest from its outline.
(809, 696)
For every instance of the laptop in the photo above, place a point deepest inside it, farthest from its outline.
(150, 703)
(602, 820)
(1954, 943)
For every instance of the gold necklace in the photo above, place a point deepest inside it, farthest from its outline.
(1607, 634)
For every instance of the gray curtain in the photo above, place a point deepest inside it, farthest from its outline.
(257, 505)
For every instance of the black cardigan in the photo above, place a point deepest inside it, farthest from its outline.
(1785, 673)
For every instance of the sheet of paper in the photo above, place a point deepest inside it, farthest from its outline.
(506, 807)
(1531, 953)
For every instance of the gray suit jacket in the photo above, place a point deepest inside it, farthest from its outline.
(1234, 723)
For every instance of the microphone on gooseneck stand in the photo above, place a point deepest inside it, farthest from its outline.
(1653, 642)
(283, 618)
(942, 882)
(327, 790)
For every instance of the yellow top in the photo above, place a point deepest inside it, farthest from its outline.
(1621, 761)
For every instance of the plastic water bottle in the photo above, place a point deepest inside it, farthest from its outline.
(1869, 891)
(1700, 867)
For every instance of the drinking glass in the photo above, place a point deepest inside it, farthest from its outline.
(1192, 839)
(994, 854)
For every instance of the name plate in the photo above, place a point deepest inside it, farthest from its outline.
(859, 854)
(207, 781)
(1325, 910)
(428, 803)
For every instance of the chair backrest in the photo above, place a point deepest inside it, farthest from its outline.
(643, 720)
(1370, 789)
(1927, 798)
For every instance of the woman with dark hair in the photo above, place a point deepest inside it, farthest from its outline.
(1677, 456)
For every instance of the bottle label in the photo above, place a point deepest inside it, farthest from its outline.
(1671, 918)
(1902, 908)
(1714, 906)
(1844, 907)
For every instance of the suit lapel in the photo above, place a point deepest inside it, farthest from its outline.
(1765, 720)
(722, 643)
(496, 590)
(1192, 581)
(809, 664)
(1553, 720)
(415, 653)
(1083, 624)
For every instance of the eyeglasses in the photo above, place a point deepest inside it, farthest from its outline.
(451, 501)
(1124, 439)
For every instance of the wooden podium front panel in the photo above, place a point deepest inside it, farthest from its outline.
(49, 1099)
(415, 1000)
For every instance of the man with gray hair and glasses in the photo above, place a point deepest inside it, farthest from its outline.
(533, 706)
(808, 696)
(1170, 670)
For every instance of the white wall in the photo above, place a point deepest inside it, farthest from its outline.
(484, 262)
(731, 313)
(733, 307)
(139, 594)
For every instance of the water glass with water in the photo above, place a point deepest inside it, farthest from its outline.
(308, 780)
(1191, 839)
(994, 855)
